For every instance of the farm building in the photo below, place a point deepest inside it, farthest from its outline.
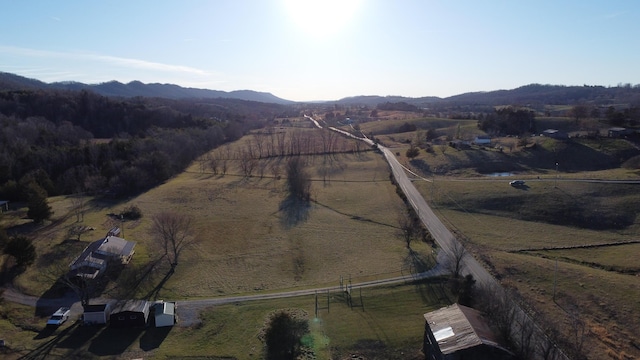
(555, 134)
(459, 332)
(164, 313)
(619, 132)
(94, 258)
(96, 314)
(482, 140)
(130, 313)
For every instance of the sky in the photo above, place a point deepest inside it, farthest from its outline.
(311, 50)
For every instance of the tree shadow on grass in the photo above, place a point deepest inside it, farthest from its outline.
(71, 337)
(153, 337)
(112, 341)
(155, 292)
(80, 336)
(295, 211)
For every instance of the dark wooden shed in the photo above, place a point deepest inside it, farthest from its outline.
(130, 313)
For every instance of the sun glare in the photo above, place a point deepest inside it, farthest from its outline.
(322, 18)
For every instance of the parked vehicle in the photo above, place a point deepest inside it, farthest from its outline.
(59, 317)
(516, 182)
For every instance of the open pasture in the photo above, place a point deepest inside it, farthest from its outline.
(502, 226)
(250, 237)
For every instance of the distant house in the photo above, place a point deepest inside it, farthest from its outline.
(618, 132)
(482, 140)
(555, 134)
(164, 313)
(94, 258)
(130, 313)
(96, 314)
(459, 332)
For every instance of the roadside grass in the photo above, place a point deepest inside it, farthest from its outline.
(605, 302)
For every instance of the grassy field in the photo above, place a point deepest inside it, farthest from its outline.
(249, 241)
(502, 226)
(246, 242)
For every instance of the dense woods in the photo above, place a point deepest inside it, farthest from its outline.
(509, 121)
(68, 142)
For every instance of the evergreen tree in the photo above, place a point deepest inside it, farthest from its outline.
(283, 336)
(39, 209)
(22, 249)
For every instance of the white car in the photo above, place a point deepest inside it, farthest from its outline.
(59, 317)
(516, 182)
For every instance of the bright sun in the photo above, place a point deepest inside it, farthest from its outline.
(322, 18)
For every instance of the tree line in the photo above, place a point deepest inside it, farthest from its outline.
(509, 120)
(68, 142)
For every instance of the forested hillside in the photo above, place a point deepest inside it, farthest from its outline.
(67, 141)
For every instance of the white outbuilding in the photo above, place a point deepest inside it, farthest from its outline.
(165, 313)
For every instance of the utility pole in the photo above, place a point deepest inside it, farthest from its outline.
(555, 280)
(556, 182)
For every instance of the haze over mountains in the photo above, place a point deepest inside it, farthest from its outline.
(528, 94)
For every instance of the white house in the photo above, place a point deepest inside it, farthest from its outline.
(94, 258)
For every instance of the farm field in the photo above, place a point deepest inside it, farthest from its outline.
(597, 285)
(249, 241)
(246, 243)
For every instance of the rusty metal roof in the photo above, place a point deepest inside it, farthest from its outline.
(458, 327)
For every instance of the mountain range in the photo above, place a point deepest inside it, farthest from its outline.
(10, 81)
(536, 94)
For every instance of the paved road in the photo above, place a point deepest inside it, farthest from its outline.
(443, 237)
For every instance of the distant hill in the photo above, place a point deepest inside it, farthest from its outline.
(136, 88)
(533, 95)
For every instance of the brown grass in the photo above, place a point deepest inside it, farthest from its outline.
(589, 281)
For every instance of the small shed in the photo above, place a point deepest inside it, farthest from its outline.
(165, 313)
(97, 314)
(130, 313)
(555, 134)
(4, 205)
(482, 140)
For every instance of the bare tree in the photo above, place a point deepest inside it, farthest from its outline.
(546, 344)
(58, 271)
(77, 231)
(408, 227)
(203, 161)
(78, 202)
(275, 169)
(298, 181)
(214, 164)
(247, 162)
(580, 332)
(455, 258)
(174, 233)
